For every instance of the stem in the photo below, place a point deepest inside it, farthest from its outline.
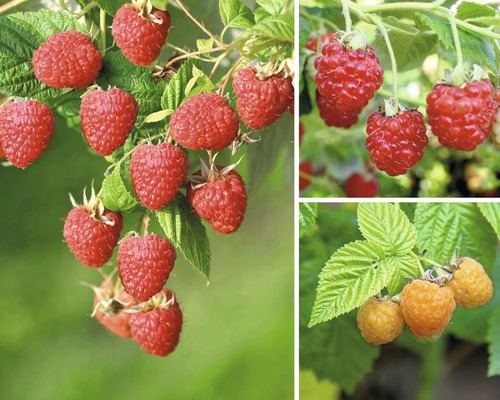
(417, 102)
(186, 55)
(320, 20)
(377, 22)
(102, 20)
(210, 159)
(198, 23)
(347, 16)
(84, 10)
(229, 74)
(403, 6)
(420, 268)
(431, 369)
(143, 224)
(456, 38)
(429, 261)
(11, 4)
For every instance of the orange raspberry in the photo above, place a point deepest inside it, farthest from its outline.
(471, 284)
(380, 321)
(427, 308)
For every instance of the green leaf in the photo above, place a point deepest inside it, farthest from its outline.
(174, 93)
(491, 212)
(111, 6)
(307, 218)
(157, 116)
(204, 44)
(236, 14)
(186, 232)
(388, 226)
(274, 27)
(404, 266)
(337, 351)
(202, 80)
(444, 228)
(473, 45)
(494, 347)
(410, 45)
(355, 272)
(115, 195)
(262, 155)
(305, 30)
(276, 7)
(468, 9)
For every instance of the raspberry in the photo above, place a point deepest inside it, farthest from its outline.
(495, 127)
(144, 264)
(140, 35)
(204, 122)
(92, 235)
(305, 167)
(335, 117)
(221, 201)
(68, 60)
(461, 118)
(25, 130)
(157, 331)
(109, 297)
(261, 100)
(380, 321)
(396, 144)
(347, 78)
(157, 173)
(471, 284)
(312, 44)
(427, 308)
(357, 186)
(107, 119)
(2, 154)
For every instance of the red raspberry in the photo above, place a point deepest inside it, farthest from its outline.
(301, 132)
(427, 308)
(2, 154)
(305, 167)
(92, 236)
(144, 264)
(292, 107)
(140, 35)
(109, 297)
(312, 44)
(67, 59)
(25, 130)
(157, 173)
(396, 144)
(204, 122)
(461, 118)
(495, 127)
(357, 186)
(471, 284)
(261, 100)
(107, 119)
(380, 321)
(347, 78)
(335, 117)
(221, 202)
(157, 331)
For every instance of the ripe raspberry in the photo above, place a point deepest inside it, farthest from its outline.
(110, 297)
(312, 44)
(204, 122)
(471, 284)
(25, 130)
(461, 118)
(157, 331)
(157, 173)
(427, 308)
(347, 78)
(144, 264)
(139, 34)
(107, 119)
(396, 144)
(261, 100)
(305, 167)
(335, 117)
(67, 59)
(92, 236)
(495, 127)
(380, 321)
(292, 107)
(221, 202)
(357, 186)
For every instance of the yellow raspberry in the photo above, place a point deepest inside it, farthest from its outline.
(380, 321)
(427, 308)
(471, 284)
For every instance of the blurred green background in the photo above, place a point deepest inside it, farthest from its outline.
(237, 337)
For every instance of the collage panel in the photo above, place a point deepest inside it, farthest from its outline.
(397, 300)
(399, 99)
